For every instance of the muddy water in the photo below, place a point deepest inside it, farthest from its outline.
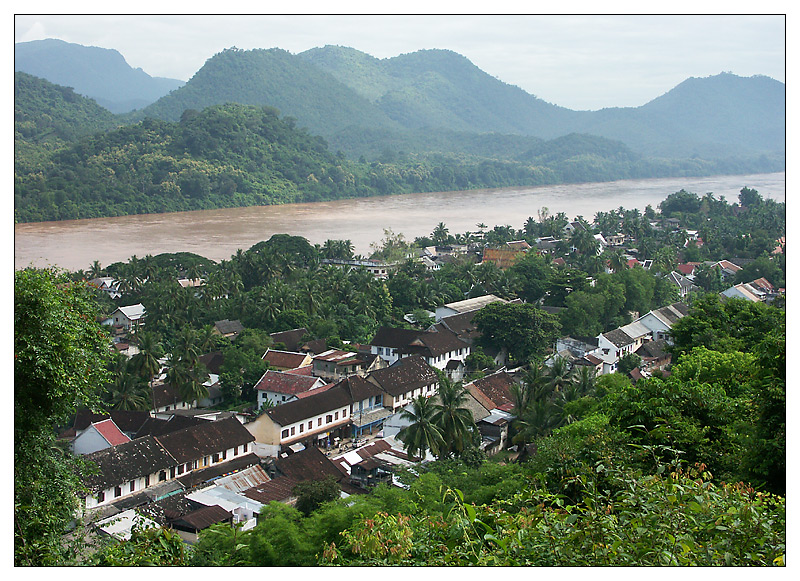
(217, 234)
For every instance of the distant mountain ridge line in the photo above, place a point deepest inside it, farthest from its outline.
(264, 126)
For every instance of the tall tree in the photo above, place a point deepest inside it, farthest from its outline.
(453, 419)
(60, 359)
(422, 434)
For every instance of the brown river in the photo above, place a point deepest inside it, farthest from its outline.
(217, 234)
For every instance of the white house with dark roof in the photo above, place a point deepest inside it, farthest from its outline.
(278, 387)
(138, 464)
(321, 416)
(406, 379)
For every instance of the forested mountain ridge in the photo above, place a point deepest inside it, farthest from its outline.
(99, 73)
(276, 78)
(720, 125)
(348, 96)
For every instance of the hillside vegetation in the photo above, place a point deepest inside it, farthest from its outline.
(266, 126)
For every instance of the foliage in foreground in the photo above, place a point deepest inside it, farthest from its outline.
(676, 517)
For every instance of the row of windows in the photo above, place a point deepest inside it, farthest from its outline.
(288, 432)
(173, 472)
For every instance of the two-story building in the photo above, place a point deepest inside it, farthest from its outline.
(317, 418)
(406, 379)
(136, 465)
(278, 387)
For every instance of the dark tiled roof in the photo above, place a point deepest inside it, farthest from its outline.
(285, 383)
(284, 359)
(394, 338)
(673, 312)
(434, 344)
(128, 461)
(653, 349)
(404, 375)
(204, 517)
(226, 327)
(308, 464)
(164, 394)
(313, 405)
(213, 361)
(276, 490)
(496, 387)
(461, 324)
(359, 388)
(206, 438)
(315, 346)
(291, 339)
(158, 427)
(618, 337)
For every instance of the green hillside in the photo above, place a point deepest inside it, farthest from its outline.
(275, 78)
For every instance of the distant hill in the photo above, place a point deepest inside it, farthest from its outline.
(441, 88)
(276, 78)
(713, 117)
(99, 73)
(45, 112)
(266, 126)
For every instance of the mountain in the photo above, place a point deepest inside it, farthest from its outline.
(441, 88)
(47, 113)
(99, 73)
(276, 78)
(712, 117)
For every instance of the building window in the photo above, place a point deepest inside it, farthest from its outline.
(285, 433)
(236, 450)
(344, 413)
(117, 491)
(216, 458)
(101, 496)
(302, 427)
(328, 419)
(172, 472)
(146, 480)
(133, 485)
(224, 454)
(319, 421)
(310, 425)
(162, 476)
(180, 469)
(336, 416)
(292, 430)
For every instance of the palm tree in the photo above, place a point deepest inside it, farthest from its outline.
(452, 418)
(537, 420)
(129, 392)
(146, 361)
(95, 270)
(422, 434)
(560, 374)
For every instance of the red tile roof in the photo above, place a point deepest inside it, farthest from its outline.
(285, 383)
(109, 430)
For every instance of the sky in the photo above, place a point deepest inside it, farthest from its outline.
(582, 62)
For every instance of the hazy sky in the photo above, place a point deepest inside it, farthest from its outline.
(579, 62)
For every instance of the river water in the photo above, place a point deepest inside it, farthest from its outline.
(217, 234)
